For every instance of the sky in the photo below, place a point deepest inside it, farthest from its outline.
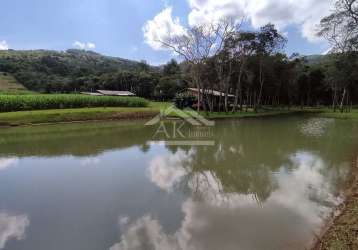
(130, 28)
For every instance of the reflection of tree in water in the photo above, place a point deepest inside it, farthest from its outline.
(74, 139)
(248, 152)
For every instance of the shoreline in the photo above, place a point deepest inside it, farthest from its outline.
(341, 228)
(84, 115)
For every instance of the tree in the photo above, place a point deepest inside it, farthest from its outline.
(240, 45)
(196, 45)
(269, 41)
(340, 28)
(171, 68)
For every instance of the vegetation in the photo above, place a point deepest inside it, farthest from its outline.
(222, 56)
(251, 65)
(9, 83)
(10, 103)
(74, 115)
(80, 114)
(78, 70)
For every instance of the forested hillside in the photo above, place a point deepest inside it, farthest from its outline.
(78, 70)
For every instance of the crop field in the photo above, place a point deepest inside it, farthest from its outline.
(9, 103)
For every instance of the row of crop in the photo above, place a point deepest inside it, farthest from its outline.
(10, 103)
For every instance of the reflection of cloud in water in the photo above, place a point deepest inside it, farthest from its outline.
(305, 190)
(90, 161)
(316, 126)
(12, 227)
(165, 171)
(147, 234)
(8, 162)
(207, 227)
(286, 220)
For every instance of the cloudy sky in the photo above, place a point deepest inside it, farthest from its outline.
(128, 28)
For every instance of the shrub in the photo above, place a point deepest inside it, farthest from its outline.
(184, 100)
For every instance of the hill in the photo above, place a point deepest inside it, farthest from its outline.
(312, 60)
(9, 84)
(46, 71)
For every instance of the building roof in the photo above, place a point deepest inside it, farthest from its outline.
(92, 93)
(211, 92)
(115, 93)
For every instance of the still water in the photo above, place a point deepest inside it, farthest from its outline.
(266, 184)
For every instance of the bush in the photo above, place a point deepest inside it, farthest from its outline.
(184, 100)
(10, 103)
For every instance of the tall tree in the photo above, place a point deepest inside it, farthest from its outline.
(269, 41)
(340, 28)
(197, 45)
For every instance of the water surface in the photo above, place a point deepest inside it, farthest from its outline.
(266, 184)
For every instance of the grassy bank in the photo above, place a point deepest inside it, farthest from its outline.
(112, 113)
(119, 113)
(71, 115)
(338, 115)
(80, 114)
(9, 103)
(342, 232)
(263, 113)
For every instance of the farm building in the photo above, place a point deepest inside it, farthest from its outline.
(109, 93)
(214, 96)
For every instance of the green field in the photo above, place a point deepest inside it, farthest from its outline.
(9, 103)
(80, 114)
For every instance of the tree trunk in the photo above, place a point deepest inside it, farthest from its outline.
(238, 88)
(226, 95)
(255, 102)
(334, 99)
(342, 101)
(261, 87)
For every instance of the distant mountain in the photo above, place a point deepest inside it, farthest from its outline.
(316, 59)
(70, 58)
(46, 70)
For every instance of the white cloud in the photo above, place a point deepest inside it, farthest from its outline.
(166, 171)
(145, 233)
(4, 45)
(84, 45)
(305, 14)
(8, 162)
(162, 27)
(90, 161)
(297, 198)
(12, 227)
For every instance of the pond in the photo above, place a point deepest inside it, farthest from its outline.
(265, 184)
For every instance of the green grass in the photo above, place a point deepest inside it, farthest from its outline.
(10, 103)
(80, 114)
(353, 115)
(248, 114)
(153, 108)
(70, 115)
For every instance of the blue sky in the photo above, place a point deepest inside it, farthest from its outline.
(116, 27)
